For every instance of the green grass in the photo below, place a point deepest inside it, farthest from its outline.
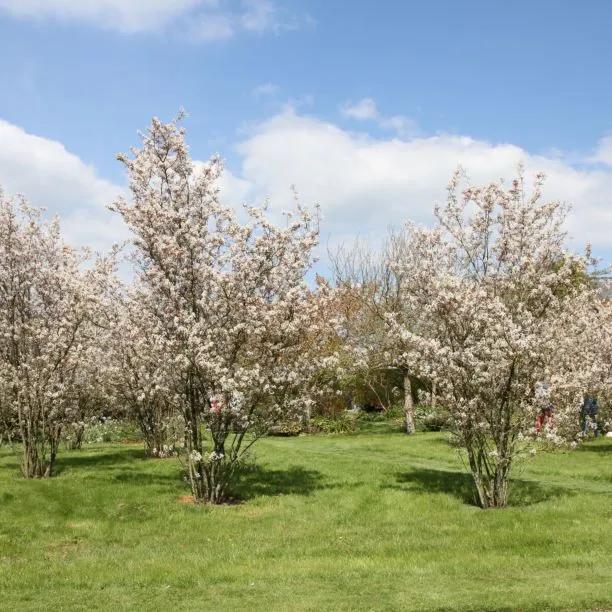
(374, 521)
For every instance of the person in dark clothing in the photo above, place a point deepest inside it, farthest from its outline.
(589, 414)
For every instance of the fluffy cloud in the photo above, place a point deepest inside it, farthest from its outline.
(51, 177)
(364, 184)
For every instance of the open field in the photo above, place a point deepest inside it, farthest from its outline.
(373, 521)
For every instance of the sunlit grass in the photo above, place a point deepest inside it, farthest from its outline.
(360, 522)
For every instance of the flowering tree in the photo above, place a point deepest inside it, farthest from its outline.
(48, 308)
(89, 387)
(137, 374)
(496, 314)
(225, 301)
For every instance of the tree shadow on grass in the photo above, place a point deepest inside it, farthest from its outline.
(128, 466)
(461, 486)
(255, 481)
(596, 447)
(131, 466)
(106, 459)
(140, 477)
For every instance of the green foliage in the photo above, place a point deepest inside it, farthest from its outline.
(111, 430)
(341, 423)
(379, 388)
(391, 420)
(427, 418)
(360, 522)
(431, 418)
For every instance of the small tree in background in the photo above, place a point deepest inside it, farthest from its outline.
(499, 314)
(227, 303)
(48, 309)
(137, 373)
(368, 299)
(90, 392)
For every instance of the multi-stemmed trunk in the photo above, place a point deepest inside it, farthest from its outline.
(209, 475)
(156, 443)
(39, 451)
(154, 430)
(76, 439)
(490, 471)
(491, 488)
(218, 472)
(194, 444)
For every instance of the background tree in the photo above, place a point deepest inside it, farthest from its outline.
(500, 313)
(369, 293)
(48, 304)
(90, 392)
(138, 377)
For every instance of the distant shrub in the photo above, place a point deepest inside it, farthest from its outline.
(286, 429)
(344, 422)
(431, 418)
(392, 418)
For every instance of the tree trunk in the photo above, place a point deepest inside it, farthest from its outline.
(491, 481)
(76, 442)
(408, 406)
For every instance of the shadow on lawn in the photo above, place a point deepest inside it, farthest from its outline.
(131, 466)
(105, 458)
(461, 486)
(597, 447)
(256, 480)
(134, 475)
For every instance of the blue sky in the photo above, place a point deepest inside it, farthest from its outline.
(366, 106)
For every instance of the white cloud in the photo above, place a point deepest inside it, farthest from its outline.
(203, 20)
(49, 176)
(362, 110)
(401, 125)
(366, 110)
(122, 15)
(364, 184)
(603, 154)
(260, 16)
(226, 19)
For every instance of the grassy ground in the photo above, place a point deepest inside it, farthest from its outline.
(362, 522)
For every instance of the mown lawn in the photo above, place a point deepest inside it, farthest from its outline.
(373, 521)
